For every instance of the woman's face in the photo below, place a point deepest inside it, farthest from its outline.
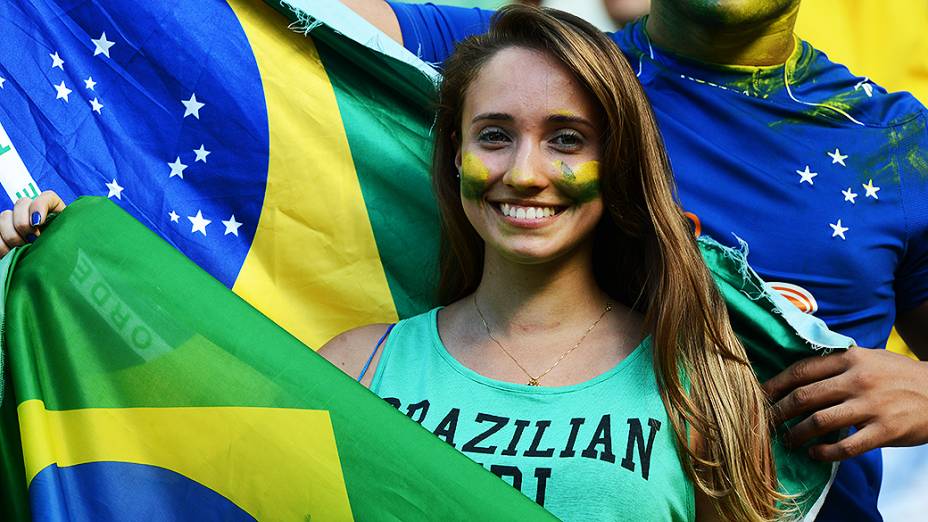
(529, 158)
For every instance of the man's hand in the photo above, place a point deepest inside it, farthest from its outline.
(883, 394)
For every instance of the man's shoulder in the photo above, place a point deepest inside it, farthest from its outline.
(827, 81)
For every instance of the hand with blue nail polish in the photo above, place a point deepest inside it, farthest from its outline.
(24, 223)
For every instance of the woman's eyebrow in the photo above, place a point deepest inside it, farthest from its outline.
(496, 116)
(569, 118)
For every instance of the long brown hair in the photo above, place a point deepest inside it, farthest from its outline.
(644, 255)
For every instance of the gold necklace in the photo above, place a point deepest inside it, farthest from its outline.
(535, 381)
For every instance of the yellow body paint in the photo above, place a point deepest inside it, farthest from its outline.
(580, 183)
(474, 176)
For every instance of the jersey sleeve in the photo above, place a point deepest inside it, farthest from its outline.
(430, 31)
(912, 275)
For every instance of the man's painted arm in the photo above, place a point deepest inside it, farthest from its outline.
(378, 13)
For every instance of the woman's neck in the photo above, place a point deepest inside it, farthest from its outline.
(536, 298)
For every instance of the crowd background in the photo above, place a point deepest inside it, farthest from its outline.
(884, 41)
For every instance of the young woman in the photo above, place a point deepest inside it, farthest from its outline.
(583, 353)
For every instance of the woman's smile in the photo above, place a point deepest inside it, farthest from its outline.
(528, 214)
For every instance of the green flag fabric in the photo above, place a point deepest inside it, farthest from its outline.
(143, 386)
(140, 383)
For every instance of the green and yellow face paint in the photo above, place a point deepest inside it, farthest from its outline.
(474, 177)
(580, 183)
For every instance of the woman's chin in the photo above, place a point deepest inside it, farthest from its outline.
(532, 254)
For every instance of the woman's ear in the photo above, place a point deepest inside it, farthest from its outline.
(457, 152)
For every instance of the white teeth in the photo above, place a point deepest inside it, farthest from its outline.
(526, 212)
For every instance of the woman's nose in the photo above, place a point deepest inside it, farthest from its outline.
(527, 169)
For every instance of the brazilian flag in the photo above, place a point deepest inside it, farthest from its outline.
(138, 387)
(145, 390)
(279, 151)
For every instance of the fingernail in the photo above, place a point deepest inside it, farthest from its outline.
(30, 238)
(36, 219)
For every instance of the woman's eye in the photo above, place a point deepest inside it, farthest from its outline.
(493, 136)
(568, 140)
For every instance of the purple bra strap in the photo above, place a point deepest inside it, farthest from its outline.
(371, 358)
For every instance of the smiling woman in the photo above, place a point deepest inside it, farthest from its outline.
(583, 353)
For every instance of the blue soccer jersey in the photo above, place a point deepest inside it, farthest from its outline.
(823, 173)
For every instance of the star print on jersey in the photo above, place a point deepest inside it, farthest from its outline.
(201, 153)
(837, 157)
(838, 230)
(806, 176)
(849, 195)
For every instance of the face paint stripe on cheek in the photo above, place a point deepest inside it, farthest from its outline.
(474, 176)
(581, 184)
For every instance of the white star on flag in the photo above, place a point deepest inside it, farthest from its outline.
(192, 106)
(177, 168)
(199, 223)
(89, 83)
(57, 61)
(231, 226)
(201, 153)
(838, 230)
(174, 217)
(63, 91)
(2, 81)
(871, 190)
(849, 195)
(102, 45)
(115, 189)
(96, 105)
(807, 176)
(837, 157)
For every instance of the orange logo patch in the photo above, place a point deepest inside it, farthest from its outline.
(799, 296)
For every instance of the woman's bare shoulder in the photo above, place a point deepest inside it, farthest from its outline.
(349, 350)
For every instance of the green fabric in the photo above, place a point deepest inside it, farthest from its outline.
(385, 97)
(209, 349)
(599, 450)
(775, 335)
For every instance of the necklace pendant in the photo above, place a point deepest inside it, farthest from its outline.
(533, 381)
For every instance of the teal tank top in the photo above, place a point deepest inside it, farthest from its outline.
(599, 450)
